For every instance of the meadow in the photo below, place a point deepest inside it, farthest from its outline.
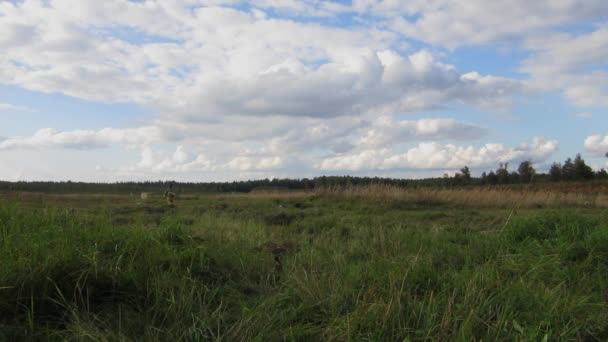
(373, 263)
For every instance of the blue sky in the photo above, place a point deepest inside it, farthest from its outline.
(210, 90)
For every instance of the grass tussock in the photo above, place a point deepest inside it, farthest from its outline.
(333, 266)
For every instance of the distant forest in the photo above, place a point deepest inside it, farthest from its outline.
(572, 170)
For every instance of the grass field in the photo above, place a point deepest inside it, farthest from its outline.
(362, 264)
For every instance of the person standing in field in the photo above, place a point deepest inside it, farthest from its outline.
(169, 196)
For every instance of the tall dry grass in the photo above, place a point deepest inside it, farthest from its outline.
(270, 194)
(499, 197)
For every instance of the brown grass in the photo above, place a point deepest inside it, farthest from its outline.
(270, 194)
(500, 197)
(517, 196)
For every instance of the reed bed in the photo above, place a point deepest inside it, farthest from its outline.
(486, 197)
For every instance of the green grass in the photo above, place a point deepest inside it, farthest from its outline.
(364, 270)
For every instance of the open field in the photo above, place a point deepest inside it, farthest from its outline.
(373, 263)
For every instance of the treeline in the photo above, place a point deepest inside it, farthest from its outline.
(157, 186)
(575, 170)
(571, 170)
(191, 187)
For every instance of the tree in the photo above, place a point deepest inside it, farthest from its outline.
(581, 169)
(462, 177)
(513, 177)
(526, 171)
(492, 178)
(466, 173)
(484, 178)
(555, 172)
(568, 170)
(502, 173)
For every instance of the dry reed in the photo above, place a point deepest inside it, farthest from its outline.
(499, 197)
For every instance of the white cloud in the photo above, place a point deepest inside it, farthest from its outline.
(388, 132)
(250, 89)
(193, 60)
(147, 158)
(292, 144)
(453, 23)
(597, 144)
(249, 103)
(341, 135)
(213, 63)
(84, 139)
(556, 53)
(179, 162)
(180, 155)
(433, 155)
(588, 90)
(574, 63)
(312, 8)
(257, 164)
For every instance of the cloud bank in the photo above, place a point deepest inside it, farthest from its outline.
(254, 86)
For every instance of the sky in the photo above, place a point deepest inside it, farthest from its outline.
(222, 90)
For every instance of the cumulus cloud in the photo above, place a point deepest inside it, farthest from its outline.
(565, 52)
(452, 24)
(588, 90)
(433, 155)
(180, 155)
(257, 164)
(597, 144)
(290, 145)
(387, 131)
(309, 8)
(179, 162)
(573, 62)
(196, 59)
(284, 85)
(83, 139)
(343, 135)
(197, 63)
(362, 85)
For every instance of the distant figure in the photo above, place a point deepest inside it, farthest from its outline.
(169, 195)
